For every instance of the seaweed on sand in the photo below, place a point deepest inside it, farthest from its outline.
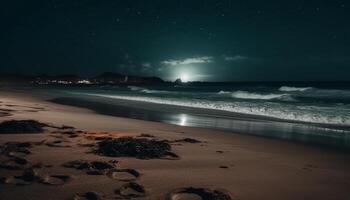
(21, 126)
(92, 168)
(13, 148)
(188, 140)
(141, 148)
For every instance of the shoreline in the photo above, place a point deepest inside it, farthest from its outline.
(311, 134)
(202, 111)
(287, 170)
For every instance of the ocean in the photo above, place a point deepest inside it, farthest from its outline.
(308, 112)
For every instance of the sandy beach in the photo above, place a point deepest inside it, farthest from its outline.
(241, 166)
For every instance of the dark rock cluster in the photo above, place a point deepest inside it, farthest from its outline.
(141, 148)
(21, 126)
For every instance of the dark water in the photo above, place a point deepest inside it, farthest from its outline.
(321, 104)
(311, 113)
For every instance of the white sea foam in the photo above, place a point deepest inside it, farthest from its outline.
(322, 115)
(155, 91)
(149, 91)
(135, 88)
(251, 95)
(293, 89)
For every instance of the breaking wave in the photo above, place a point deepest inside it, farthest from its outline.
(322, 115)
(148, 91)
(293, 89)
(250, 95)
(135, 88)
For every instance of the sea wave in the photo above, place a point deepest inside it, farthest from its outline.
(135, 88)
(293, 89)
(148, 91)
(251, 95)
(317, 95)
(320, 115)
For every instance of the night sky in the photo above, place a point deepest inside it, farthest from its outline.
(194, 39)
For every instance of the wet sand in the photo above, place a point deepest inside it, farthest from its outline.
(241, 166)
